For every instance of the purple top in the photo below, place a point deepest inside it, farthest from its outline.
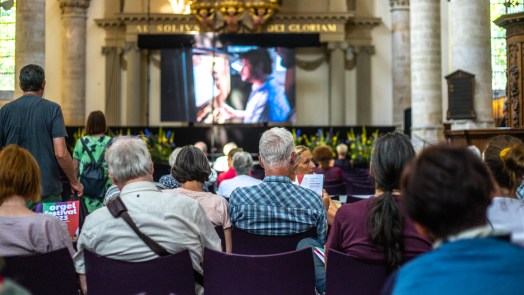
(332, 174)
(349, 234)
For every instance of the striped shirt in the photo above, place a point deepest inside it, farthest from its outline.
(277, 207)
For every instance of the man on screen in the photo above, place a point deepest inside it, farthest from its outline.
(267, 101)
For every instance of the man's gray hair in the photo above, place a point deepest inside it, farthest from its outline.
(242, 163)
(275, 147)
(128, 158)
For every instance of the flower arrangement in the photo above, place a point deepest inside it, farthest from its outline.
(360, 145)
(318, 139)
(160, 145)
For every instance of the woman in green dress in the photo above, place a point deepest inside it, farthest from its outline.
(95, 141)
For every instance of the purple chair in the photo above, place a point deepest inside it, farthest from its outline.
(171, 274)
(220, 233)
(335, 188)
(348, 275)
(290, 273)
(253, 244)
(47, 273)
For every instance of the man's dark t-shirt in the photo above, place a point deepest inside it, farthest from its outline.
(32, 122)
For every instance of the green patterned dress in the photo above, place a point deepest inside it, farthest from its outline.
(96, 145)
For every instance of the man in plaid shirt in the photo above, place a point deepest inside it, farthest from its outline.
(277, 207)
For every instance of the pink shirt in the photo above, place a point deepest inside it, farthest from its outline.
(215, 206)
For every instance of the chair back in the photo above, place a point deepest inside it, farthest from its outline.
(220, 233)
(47, 273)
(253, 244)
(336, 187)
(290, 273)
(171, 274)
(348, 275)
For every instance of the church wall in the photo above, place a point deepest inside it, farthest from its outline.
(53, 52)
(95, 70)
(381, 82)
(312, 86)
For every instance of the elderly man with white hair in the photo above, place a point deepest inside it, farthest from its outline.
(176, 222)
(277, 207)
(242, 164)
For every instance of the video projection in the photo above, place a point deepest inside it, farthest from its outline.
(229, 84)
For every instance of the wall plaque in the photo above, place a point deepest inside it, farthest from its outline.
(461, 89)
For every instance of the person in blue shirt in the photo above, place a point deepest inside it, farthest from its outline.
(446, 192)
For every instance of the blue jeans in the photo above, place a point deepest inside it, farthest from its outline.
(320, 268)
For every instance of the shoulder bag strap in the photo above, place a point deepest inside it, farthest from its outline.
(118, 209)
(88, 151)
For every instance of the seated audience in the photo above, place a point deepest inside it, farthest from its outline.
(504, 155)
(220, 164)
(22, 231)
(323, 155)
(376, 229)
(176, 222)
(446, 191)
(167, 180)
(191, 170)
(277, 206)
(242, 163)
(230, 173)
(342, 160)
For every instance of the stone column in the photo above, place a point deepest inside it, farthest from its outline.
(471, 52)
(401, 70)
(30, 36)
(426, 73)
(74, 16)
(135, 98)
(364, 74)
(337, 73)
(113, 85)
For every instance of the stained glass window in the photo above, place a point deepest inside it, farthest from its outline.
(7, 48)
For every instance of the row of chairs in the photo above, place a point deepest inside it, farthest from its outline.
(284, 273)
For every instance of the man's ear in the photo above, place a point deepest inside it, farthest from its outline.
(151, 167)
(115, 182)
(260, 162)
(293, 159)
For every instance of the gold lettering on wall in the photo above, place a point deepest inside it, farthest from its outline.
(168, 28)
(165, 28)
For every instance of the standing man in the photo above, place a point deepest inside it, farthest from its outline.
(37, 124)
(277, 207)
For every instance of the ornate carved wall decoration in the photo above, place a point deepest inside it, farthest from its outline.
(234, 16)
(514, 25)
(512, 117)
(311, 65)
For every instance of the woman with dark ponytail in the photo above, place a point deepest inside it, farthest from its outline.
(377, 229)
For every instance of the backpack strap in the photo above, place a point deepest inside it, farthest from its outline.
(88, 151)
(119, 209)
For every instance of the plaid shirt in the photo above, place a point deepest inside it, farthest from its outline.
(277, 207)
